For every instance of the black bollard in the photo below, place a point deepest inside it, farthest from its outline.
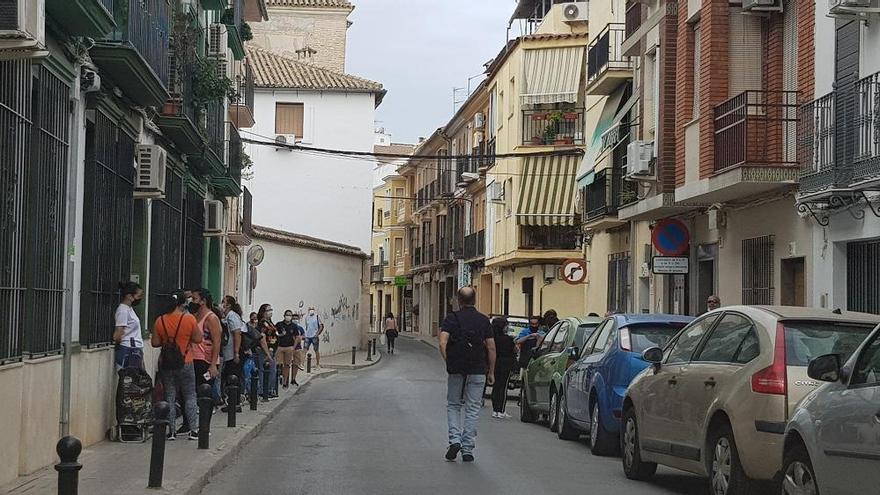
(206, 409)
(374, 347)
(157, 454)
(353, 351)
(231, 400)
(309, 363)
(266, 382)
(252, 393)
(68, 449)
(369, 351)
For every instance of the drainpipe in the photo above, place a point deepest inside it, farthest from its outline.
(632, 268)
(541, 295)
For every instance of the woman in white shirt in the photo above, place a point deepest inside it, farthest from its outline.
(127, 334)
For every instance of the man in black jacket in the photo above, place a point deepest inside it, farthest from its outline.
(468, 347)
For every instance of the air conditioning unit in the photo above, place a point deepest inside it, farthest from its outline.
(285, 139)
(638, 158)
(762, 5)
(854, 7)
(496, 192)
(152, 163)
(575, 11)
(479, 120)
(22, 29)
(214, 217)
(223, 67)
(217, 40)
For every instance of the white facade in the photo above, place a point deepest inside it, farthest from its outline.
(319, 195)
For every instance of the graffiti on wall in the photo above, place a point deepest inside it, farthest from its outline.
(343, 310)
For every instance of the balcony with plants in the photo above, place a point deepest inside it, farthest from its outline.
(90, 18)
(555, 126)
(180, 116)
(241, 107)
(239, 30)
(607, 66)
(548, 238)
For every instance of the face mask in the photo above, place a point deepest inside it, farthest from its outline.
(135, 302)
(312, 313)
(194, 307)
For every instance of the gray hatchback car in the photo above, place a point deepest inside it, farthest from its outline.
(832, 442)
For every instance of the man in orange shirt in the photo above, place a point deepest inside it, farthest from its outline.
(180, 328)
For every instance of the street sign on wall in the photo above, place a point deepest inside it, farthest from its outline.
(670, 265)
(671, 237)
(574, 271)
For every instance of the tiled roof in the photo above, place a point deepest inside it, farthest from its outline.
(395, 149)
(314, 4)
(304, 241)
(275, 71)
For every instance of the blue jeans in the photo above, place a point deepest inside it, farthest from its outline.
(128, 356)
(464, 392)
(185, 378)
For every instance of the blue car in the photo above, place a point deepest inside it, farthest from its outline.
(594, 387)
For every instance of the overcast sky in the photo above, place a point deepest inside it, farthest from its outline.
(420, 50)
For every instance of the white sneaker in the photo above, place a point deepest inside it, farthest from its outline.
(506, 416)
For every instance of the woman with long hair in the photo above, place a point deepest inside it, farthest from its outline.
(267, 328)
(505, 360)
(231, 352)
(127, 333)
(206, 355)
(391, 331)
(178, 329)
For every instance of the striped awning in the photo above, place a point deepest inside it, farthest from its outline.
(546, 193)
(552, 75)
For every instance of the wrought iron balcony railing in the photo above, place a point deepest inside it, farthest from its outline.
(559, 127)
(548, 237)
(756, 128)
(604, 53)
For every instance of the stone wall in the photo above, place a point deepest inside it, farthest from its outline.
(289, 30)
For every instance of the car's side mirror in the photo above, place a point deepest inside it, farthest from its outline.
(653, 355)
(573, 353)
(825, 368)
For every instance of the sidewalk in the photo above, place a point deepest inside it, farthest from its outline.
(431, 341)
(111, 468)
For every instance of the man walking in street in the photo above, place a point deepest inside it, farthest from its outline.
(468, 347)
(314, 329)
(289, 334)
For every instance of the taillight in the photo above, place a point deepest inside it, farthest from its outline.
(773, 379)
(625, 340)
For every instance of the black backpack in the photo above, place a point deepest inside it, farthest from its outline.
(224, 333)
(467, 347)
(170, 357)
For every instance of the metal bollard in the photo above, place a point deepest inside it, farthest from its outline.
(206, 409)
(252, 393)
(374, 347)
(232, 400)
(309, 363)
(353, 354)
(157, 455)
(265, 380)
(369, 351)
(68, 449)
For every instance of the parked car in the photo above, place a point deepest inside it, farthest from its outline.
(717, 399)
(833, 439)
(593, 389)
(543, 376)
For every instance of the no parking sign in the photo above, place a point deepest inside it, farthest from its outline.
(671, 237)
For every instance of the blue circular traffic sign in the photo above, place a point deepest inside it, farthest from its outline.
(671, 237)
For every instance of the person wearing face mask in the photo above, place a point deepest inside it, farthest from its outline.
(528, 339)
(127, 333)
(206, 355)
(270, 334)
(314, 329)
(232, 350)
(289, 335)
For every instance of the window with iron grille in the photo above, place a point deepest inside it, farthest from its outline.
(618, 282)
(757, 270)
(166, 244)
(34, 147)
(863, 276)
(194, 244)
(107, 226)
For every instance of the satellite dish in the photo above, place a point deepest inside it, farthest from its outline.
(255, 255)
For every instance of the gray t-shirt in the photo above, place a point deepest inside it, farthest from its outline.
(235, 325)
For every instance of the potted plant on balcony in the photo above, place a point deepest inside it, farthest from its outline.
(628, 196)
(570, 115)
(550, 134)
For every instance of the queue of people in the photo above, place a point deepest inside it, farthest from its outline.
(200, 342)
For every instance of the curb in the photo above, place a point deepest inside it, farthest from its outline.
(349, 367)
(229, 455)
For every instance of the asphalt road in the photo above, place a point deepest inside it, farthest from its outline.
(382, 430)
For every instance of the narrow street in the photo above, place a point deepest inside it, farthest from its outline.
(382, 430)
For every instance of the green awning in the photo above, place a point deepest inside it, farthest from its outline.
(547, 191)
(606, 120)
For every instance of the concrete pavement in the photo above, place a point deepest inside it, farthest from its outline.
(383, 431)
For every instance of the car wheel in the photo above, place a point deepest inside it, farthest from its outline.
(565, 431)
(525, 412)
(798, 478)
(633, 465)
(726, 475)
(553, 420)
(602, 442)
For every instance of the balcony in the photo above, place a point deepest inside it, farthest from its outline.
(558, 127)
(238, 31)
(475, 245)
(816, 148)
(444, 250)
(755, 152)
(430, 255)
(446, 187)
(241, 108)
(489, 156)
(179, 116)
(417, 257)
(377, 274)
(135, 54)
(466, 165)
(238, 222)
(632, 22)
(548, 238)
(607, 67)
(90, 18)
(866, 166)
(604, 196)
(229, 183)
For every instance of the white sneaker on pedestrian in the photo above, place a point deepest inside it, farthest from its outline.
(505, 415)
(496, 415)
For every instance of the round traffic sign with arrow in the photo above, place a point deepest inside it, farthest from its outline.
(671, 237)
(574, 271)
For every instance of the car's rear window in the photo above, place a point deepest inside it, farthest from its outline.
(805, 340)
(645, 336)
(584, 330)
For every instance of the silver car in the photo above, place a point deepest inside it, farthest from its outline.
(832, 443)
